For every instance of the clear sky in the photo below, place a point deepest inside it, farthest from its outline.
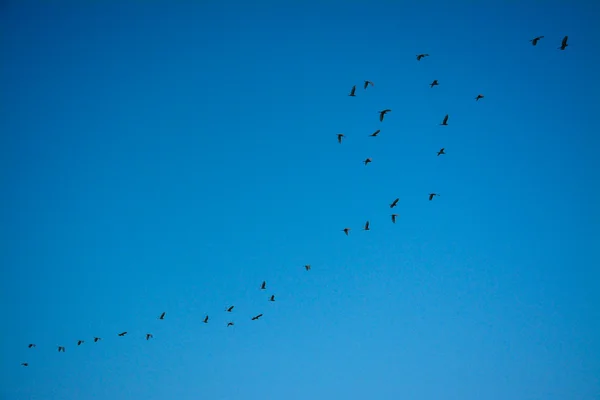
(170, 156)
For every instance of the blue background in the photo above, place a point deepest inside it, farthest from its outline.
(170, 156)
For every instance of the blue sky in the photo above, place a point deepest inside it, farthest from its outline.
(170, 156)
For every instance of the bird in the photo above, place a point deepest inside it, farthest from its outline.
(25, 364)
(205, 320)
(80, 342)
(394, 203)
(340, 136)
(419, 56)
(307, 267)
(431, 196)
(441, 151)
(96, 339)
(375, 133)
(564, 43)
(367, 83)
(434, 83)
(346, 231)
(479, 96)
(394, 218)
(366, 228)
(257, 317)
(229, 324)
(445, 121)
(382, 113)
(149, 336)
(61, 348)
(230, 309)
(162, 316)
(352, 91)
(272, 298)
(535, 40)
(263, 286)
(368, 160)
(31, 345)
(123, 333)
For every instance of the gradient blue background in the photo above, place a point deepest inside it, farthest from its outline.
(170, 156)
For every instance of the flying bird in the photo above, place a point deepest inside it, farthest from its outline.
(394, 203)
(382, 113)
(394, 218)
(96, 339)
(230, 309)
(257, 317)
(346, 231)
(479, 96)
(340, 136)
(535, 40)
(434, 83)
(419, 56)
(441, 151)
(25, 364)
(205, 320)
(272, 298)
(367, 83)
(431, 196)
(445, 121)
(229, 324)
(564, 43)
(352, 91)
(31, 345)
(307, 267)
(80, 342)
(122, 333)
(375, 133)
(263, 286)
(162, 316)
(149, 336)
(368, 160)
(61, 348)
(366, 228)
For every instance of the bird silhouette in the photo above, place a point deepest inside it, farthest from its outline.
(434, 83)
(230, 309)
(31, 345)
(431, 196)
(272, 298)
(564, 43)
(149, 336)
(367, 83)
(394, 218)
(25, 364)
(61, 348)
(229, 324)
(368, 160)
(535, 40)
(346, 231)
(123, 333)
(419, 56)
(352, 91)
(96, 339)
(394, 203)
(479, 96)
(445, 121)
(205, 320)
(340, 136)
(307, 267)
(80, 342)
(382, 113)
(263, 286)
(366, 228)
(257, 317)
(375, 133)
(162, 316)
(441, 151)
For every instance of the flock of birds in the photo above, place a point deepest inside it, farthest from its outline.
(340, 136)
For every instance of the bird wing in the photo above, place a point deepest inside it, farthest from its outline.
(564, 41)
